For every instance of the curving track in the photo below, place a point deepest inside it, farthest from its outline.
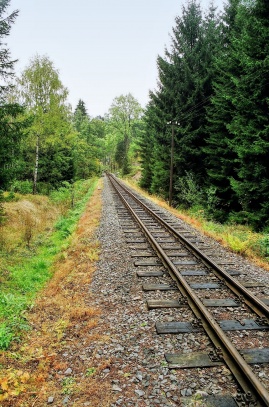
(203, 284)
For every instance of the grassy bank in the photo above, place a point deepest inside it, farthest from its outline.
(31, 240)
(238, 238)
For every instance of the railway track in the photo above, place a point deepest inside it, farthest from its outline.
(185, 274)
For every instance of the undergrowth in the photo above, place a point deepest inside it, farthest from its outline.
(239, 238)
(27, 267)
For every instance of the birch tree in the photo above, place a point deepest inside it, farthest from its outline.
(44, 95)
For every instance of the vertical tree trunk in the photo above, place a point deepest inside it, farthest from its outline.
(36, 165)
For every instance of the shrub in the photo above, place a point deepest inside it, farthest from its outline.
(190, 194)
(23, 187)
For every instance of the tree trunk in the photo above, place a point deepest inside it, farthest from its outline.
(36, 165)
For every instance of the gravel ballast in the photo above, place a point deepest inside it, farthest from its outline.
(138, 371)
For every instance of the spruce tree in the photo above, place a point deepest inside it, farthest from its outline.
(250, 122)
(220, 159)
(6, 63)
(10, 128)
(184, 88)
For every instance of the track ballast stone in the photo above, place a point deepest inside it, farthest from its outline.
(138, 372)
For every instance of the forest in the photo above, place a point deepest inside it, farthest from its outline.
(211, 101)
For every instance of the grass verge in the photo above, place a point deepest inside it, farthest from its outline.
(25, 270)
(52, 360)
(238, 238)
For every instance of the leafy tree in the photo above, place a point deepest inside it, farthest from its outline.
(88, 150)
(124, 114)
(42, 92)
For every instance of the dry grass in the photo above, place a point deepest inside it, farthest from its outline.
(62, 319)
(25, 220)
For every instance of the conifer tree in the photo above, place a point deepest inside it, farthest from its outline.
(6, 62)
(184, 87)
(250, 122)
(11, 129)
(220, 159)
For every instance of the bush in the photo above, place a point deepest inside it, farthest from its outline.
(190, 194)
(63, 194)
(11, 197)
(22, 187)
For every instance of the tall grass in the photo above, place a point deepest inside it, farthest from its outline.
(25, 270)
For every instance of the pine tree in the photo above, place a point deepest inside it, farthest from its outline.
(6, 63)
(82, 108)
(11, 129)
(80, 115)
(184, 88)
(250, 122)
(220, 159)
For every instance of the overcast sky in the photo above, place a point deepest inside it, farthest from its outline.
(102, 48)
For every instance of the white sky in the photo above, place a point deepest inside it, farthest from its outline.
(102, 48)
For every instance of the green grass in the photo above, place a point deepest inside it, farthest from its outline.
(239, 238)
(25, 272)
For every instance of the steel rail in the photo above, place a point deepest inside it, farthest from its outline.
(258, 306)
(236, 363)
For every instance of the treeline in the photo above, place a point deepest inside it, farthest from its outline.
(44, 145)
(213, 94)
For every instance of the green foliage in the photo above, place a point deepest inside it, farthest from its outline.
(124, 124)
(48, 148)
(90, 371)
(21, 282)
(190, 193)
(22, 187)
(6, 336)
(63, 194)
(7, 65)
(185, 83)
(263, 246)
(12, 127)
(214, 82)
(68, 384)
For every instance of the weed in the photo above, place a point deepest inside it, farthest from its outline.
(68, 384)
(13, 383)
(60, 327)
(90, 371)
(6, 336)
(29, 224)
(127, 374)
(198, 401)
